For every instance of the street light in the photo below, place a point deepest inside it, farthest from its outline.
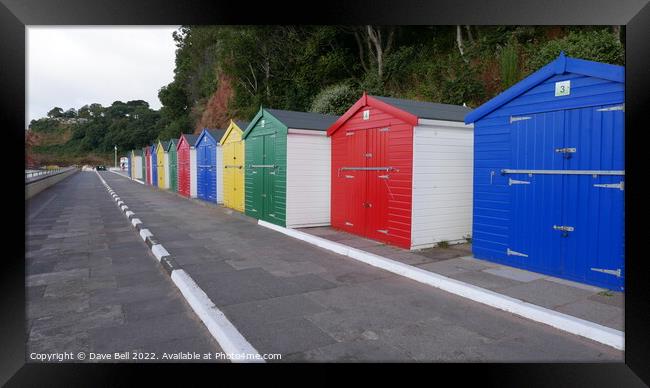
(116, 156)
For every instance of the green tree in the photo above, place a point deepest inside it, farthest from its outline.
(55, 112)
(84, 112)
(70, 113)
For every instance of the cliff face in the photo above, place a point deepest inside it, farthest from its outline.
(216, 113)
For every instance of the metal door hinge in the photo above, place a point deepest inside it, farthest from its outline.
(563, 228)
(510, 252)
(349, 176)
(349, 133)
(566, 150)
(384, 231)
(368, 155)
(386, 129)
(620, 185)
(383, 176)
(367, 204)
(348, 223)
(611, 108)
(615, 272)
(519, 118)
(516, 182)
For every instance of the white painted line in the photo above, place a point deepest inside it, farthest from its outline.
(226, 334)
(135, 221)
(159, 251)
(129, 213)
(144, 233)
(564, 322)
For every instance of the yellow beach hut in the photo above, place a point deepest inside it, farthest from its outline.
(232, 147)
(162, 163)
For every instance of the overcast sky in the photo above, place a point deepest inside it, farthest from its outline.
(69, 67)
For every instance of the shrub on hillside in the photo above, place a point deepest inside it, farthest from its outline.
(598, 45)
(335, 99)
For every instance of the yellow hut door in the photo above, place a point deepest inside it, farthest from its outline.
(161, 167)
(233, 177)
(228, 197)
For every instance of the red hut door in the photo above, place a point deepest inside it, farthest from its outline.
(365, 177)
(354, 180)
(377, 176)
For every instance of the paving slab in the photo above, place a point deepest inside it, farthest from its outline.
(364, 350)
(287, 336)
(541, 293)
(274, 309)
(514, 274)
(485, 280)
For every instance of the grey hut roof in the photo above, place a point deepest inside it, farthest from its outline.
(191, 138)
(171, 143)
(216, 134)
(428, 110)
(242, 124)
(165, 144)
(303, 120)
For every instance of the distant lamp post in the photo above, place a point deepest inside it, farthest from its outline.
(116, 156)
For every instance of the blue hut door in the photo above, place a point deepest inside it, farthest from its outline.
(571, 223)
(154, 168)
(593, 205)
(201, 175)
(536, 199)
(212, 172)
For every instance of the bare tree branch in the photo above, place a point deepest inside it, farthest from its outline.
(469, 33)
(389, 43)
(362, 57)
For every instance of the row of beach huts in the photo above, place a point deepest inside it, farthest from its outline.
(534, 178)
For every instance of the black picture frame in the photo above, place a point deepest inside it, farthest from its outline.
(15, 15)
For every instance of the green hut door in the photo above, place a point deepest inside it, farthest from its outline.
(262, 173)
(270, 171)
(173, 169)
(255, 176)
